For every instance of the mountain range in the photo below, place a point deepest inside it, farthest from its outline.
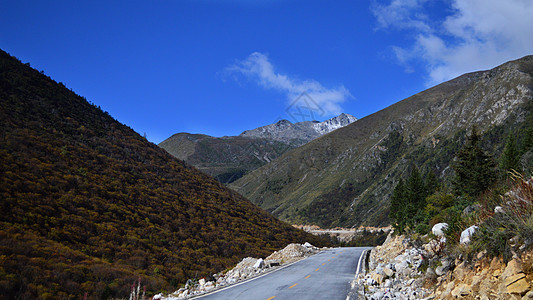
(88, 206)
(231, 157)
(345, 178)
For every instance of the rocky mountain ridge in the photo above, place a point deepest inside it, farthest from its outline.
(231, 157)
(301, 132)
(345, 178)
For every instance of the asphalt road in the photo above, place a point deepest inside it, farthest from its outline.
(326, 275)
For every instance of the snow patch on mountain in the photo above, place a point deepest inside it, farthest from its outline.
(334, 123)
(299, 133)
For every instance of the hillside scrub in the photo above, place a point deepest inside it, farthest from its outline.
(89, 206)
(498, 201)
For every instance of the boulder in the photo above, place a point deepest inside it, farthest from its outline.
(461, 290)
(272, 262)
(443, 268)
(498, 209)
(209, 286)
(471, 209)
(378, 278)
(260, 263)
(518, 287)
(467, 234)
(439, 228)
(388, 272)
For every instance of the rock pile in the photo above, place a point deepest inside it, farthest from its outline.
(395, 271)
(248, 268)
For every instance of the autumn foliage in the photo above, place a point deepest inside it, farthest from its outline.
(88, 206)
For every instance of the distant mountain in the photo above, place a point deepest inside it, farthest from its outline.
(227, 158)
(88, 206)
(345, 178)
(231, 157)
(299, 133)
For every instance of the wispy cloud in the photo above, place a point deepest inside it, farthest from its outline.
(477, 34)
(258, 68)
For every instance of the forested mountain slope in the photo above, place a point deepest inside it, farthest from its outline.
(345, 178)
(88, 205)
(225, 158)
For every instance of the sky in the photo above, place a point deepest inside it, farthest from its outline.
(220, 67)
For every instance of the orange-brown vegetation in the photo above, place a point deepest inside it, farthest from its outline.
(89, 206)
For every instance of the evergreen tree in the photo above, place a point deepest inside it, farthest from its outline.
(526, 143)
(474, 169)
(397, 207)
(432, 183)
(416, 194)
(510, 159)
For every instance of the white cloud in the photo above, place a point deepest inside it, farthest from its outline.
(478, 34)
(401, 13)
(258, 68)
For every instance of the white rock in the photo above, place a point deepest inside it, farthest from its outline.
(201, 282)
(439, 228)
(467, 234)
(498, 209)
(157, 297)
(441, 270)
(259, 264)
(308, 245)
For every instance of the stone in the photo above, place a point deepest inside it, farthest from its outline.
(518, 287)
(201, 282)
(260, 263)
(441, 270)
(514, 278)
(461, 290)
(467, 234)
(209, 286)
(378, 278)
(498, 210)
(513, 267)
(471, 209)
(439, 228)
(388, 272)
(308, 245)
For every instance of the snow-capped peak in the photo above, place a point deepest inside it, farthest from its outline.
(334, 123)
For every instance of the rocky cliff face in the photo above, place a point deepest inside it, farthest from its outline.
(345, 178)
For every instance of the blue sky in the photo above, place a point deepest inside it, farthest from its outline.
(222, 67)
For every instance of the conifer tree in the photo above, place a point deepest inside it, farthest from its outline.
(397, 207)
(474, 169)
(432, 183)
(510, 159)
(416, 194)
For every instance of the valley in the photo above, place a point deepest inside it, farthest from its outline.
(229, 158)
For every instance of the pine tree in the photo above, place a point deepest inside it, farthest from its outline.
(432, 183)
(474, 169)
(416, 192)
(510, 159)
(397, 207)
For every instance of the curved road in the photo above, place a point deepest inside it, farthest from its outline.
(326, 275)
